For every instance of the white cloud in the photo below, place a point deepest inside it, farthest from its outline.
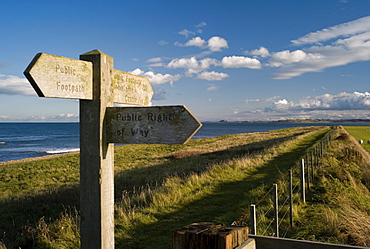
(212, 88)
(192, 64)
(240, 61)
(322, 57)
(214, 44)
(162, 43)
(344, 105)
(157, 78)
(346, 29)
(342, 101)
(186, 33)
(14, 85)
(286, 57)
(211, 76)
(217, 43)
(202, 24)
(154, 60)
(345, 43)
(271, 99)
(262, 51)
(196, 41)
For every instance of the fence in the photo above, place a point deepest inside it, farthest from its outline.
(275, 216)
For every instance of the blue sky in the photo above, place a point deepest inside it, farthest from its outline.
(234, 60)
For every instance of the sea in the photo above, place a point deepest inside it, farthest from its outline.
(27, 140)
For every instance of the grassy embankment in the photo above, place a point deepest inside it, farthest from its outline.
(158, 188)
(338, 209)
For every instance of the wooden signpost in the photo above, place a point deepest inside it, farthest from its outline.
(94, 81)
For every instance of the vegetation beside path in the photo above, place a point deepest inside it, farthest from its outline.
(338, 209)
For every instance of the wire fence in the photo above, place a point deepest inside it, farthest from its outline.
(273, 215)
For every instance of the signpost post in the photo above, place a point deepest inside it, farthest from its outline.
(94, 81)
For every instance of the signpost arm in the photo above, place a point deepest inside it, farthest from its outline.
(97, 159)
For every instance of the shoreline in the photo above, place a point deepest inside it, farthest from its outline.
(30, 159)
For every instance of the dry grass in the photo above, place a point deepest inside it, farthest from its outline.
(340, 196)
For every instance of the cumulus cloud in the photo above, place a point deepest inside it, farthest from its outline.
(157, 78)
(214, 44)
(217, 43)
(212, 76)
(14, 85)
(192, 65)
(240, 61)
(342, 101)
(196, 42)
(344, 105)
(286, 57)
(262, 51)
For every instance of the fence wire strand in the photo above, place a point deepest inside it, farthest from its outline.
(311, 158)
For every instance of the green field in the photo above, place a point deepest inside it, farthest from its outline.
(360, 133)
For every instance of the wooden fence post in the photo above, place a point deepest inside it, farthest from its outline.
(303, 185)
(312, 166)
(291, 198)
(276, 210)
(308, 173)
(253, 220)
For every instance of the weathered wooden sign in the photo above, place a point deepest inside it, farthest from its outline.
(60, 77)
(131, 89)
(150, 125)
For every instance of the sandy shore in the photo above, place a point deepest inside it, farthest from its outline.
(37, 158)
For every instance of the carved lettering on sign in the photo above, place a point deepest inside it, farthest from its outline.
(65, 69)
(160, 124)
(131, 89)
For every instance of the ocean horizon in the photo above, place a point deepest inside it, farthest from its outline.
(28, 140)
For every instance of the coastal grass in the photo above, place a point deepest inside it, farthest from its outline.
(158, 188)
(338, 206)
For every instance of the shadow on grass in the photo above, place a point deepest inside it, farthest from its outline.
(131, 179)
(227, 203)
(26, 212)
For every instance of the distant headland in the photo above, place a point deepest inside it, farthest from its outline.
(304, 121)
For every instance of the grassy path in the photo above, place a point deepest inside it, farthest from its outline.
(220, 195)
